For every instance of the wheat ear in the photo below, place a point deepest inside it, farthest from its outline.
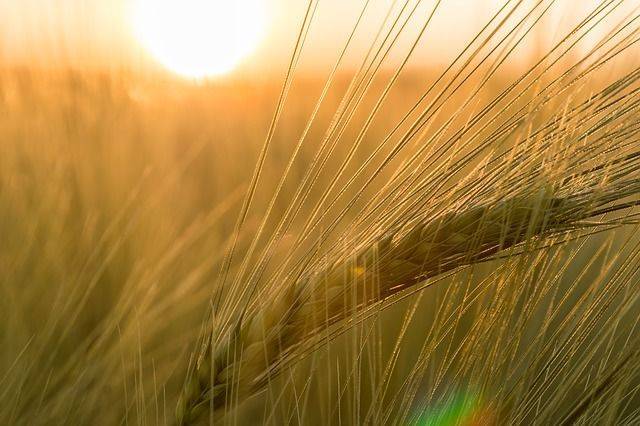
(239, 365)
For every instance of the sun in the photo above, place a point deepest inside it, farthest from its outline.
(199, 38)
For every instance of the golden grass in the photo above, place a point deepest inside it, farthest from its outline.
(408, 240)
(242, 362)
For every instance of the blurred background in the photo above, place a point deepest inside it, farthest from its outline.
(129, 132)
(94, 34)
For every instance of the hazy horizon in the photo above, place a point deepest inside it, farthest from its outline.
(97, 34)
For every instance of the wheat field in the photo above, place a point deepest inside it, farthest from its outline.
(384, 243)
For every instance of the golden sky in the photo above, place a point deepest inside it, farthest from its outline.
(98, 33)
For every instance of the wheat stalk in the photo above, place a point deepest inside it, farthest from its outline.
(240, 355)
(251, 353)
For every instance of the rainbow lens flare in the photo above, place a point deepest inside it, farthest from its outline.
(461, 409)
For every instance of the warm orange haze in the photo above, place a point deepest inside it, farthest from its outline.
(197, 38)
(319, 212)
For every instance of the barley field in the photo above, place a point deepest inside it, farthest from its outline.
(384, 239)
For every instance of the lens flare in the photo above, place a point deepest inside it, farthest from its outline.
(460, 409)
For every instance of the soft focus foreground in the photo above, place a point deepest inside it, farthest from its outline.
(119, 199)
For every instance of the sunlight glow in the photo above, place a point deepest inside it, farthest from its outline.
(199, 38)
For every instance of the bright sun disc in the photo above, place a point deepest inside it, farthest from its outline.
(199, 38)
